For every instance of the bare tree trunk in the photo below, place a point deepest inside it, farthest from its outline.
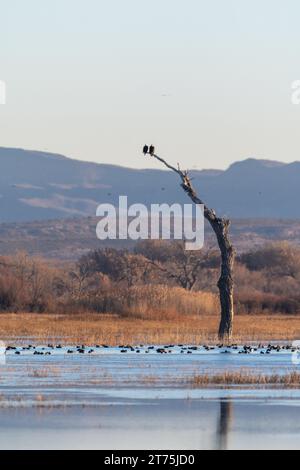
(220, 227)
(225, 283)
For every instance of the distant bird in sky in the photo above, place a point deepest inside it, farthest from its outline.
(152, 150)
(145, 149)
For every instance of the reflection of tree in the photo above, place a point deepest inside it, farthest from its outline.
(224, 425)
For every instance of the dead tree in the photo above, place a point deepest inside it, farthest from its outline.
(220, 227)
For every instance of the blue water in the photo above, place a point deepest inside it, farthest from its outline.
(108, 399)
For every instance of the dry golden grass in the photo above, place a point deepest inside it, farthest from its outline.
(44, 372)
(247, 378)
(113, 330)
(159, 301)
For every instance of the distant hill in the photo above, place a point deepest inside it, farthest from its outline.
(40, 186)
(69, 239)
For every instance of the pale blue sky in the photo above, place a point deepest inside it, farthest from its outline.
(208, 82)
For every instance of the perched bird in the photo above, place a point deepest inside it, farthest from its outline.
(145, 149)
(152, 150)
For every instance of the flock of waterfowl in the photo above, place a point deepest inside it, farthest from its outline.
(51, 349)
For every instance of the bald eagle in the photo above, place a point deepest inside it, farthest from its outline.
(145, 149)
(152, 150)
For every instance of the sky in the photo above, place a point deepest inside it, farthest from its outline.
(207, 82)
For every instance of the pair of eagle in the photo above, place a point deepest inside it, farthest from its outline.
(150, 150)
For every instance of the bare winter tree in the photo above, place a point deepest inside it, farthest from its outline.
(175, 262)
(220, 227)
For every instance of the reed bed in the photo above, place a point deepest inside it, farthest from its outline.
(110, 329)
(242, 377)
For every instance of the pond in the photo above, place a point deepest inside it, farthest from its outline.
(105, 399)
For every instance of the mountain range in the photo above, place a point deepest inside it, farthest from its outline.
(40, 186)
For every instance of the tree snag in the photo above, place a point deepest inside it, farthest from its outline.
(220, 227)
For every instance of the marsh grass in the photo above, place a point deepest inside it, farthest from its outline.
(91, 329)
(45, 372)
(243, 377)
(158, 301)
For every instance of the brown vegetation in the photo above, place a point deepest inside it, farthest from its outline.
(243, 377)
(147, 285)
(113, 330)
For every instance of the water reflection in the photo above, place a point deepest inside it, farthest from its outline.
(155, 424)
(225, 424)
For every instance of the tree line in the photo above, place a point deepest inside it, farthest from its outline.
(155, 277)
